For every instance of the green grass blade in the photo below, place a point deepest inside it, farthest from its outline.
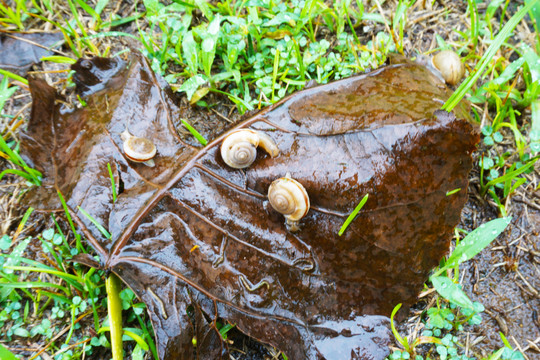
(512, 174)
(69, 278)
(477, 240)
(109, 34)
(149, 338)
(31, 175)
(101, 4)
(89, 10)
(137, 339)
(25, 218)
(459, 94)
(70, 221)
(59, 59)
(75, 14)
(13, 156)
(18, 173)
(194, 132)
(6, 91)
(353, 215)
(113, 184)
(34, 285)
(496, 355)
(121, 21)
(398, 337)
(505, 341)
(101, 229)
(235, 99)
(13, 76)
(60, 298)
(473, 11)
(452, 192)
(5, 354)
(274, 73)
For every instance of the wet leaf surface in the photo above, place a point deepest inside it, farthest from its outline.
(19, 51)
(197, 240)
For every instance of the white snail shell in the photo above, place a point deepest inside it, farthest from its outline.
(288, 197)
(138, 149)
(449, 65)
(239, 149)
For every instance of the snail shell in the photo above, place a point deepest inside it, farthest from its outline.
(239, 149)
(139, 149)
(288, 197)
(449, 65)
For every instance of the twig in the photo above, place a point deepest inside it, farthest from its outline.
(531, 288)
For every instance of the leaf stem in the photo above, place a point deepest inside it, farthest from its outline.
(112, 284)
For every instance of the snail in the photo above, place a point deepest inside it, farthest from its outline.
(139, 149)
(288, 197)
(239, 149)
(449, 66)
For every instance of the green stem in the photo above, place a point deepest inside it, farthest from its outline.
(115, 315)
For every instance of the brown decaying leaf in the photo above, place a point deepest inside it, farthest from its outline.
(320, 295)
(19, 51)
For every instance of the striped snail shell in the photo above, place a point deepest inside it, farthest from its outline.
(288, 197)
(239, 149)
(139, 149)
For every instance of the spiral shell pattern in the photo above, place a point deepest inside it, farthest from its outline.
(288, 197)
(239, 149)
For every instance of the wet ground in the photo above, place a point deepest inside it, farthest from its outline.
(505, 278)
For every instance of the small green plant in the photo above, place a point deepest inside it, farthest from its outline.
(491, 137)
(10, 152)
(400, 20)
(14, 15)
(409, 347)
(6, 92)
(456, 310)
(466, 249)
(26, 297)
(64, 291)
(449, 316)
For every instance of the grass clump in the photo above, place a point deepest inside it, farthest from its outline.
(49, 300)
(255, 54)
(454, 310)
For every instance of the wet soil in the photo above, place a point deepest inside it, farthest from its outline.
(505, 278)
